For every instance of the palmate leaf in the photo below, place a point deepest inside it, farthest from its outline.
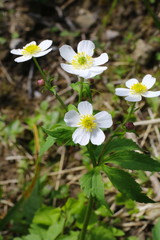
(120, 145)
(134, 161)
(63, 135)
(124, 182)
(92, 184)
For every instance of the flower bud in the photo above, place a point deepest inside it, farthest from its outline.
(41, 82)
(130, 126)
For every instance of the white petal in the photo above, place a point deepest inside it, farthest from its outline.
(86, 46)
(67, 53)
(85, 108)
(31, 43)
(72, 118)
(40, 54)
(150, 94)
(67, 67)
(122, 91)
(148, 81)
(133, 98)
(16, 51)
(83, 73)
(93, 71)
(22, 59)
(103, 58)
(130, 82)
(70, 69)
(45, 44)
(81, 136)
(103, 119)
(97, 136)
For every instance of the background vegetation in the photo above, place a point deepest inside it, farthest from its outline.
(128, 30)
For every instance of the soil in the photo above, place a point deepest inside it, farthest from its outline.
(124, 29)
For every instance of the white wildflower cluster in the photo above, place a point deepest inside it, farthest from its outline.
(84, 65)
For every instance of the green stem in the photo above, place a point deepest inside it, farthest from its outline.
(91, 199)
(49, 88)
(103, 150)
(127, 118)
(61, 101)
(130, 113)
(86, 219)
(39, 69)
(81, 89)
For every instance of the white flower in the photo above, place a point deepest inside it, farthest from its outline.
(82, 63)
(137, 89)
(88, 124)
(32, 50)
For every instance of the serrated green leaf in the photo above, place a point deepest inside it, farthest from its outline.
(47, 216)
(156, 231)
(93, 185)
(55, 230)
(23, 211)
(86, 183)
(46, 145)
(63, 135)
(72, 107)
(134, 161)
(120, 145)
(73, 208)
(38, 230)
(29, 237)
(53, 89)
(100, 232)
(98, 188)
(71, 236)
(124, 182)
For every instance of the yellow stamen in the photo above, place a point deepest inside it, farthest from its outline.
(87, 122)
(31, 49)
(82, 61)
(138, 88)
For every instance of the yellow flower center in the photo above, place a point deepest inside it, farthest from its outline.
(82, 61)
(138, 88)
(87, 122)
(31, 49)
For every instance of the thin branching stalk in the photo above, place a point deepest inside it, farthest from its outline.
(86, 219)
(45, 79)
(81, 89)
(39, 69)
(91, 199)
